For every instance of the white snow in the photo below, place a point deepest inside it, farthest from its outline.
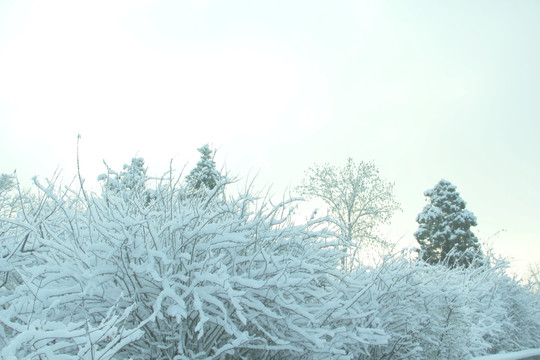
(524, 354)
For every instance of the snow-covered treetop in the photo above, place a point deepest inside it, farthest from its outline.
(356, 196)
(128, 182)
(444, 233)
(6, 182)
(205, 173)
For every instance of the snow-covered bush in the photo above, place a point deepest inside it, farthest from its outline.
(521, 322)
(196, 273)
(435, 312)
(184, 277)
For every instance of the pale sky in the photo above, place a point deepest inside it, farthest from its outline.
(426, 89)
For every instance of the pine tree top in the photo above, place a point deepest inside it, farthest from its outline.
(205, 173)
(444, 227)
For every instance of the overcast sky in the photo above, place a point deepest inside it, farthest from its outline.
(426, 89)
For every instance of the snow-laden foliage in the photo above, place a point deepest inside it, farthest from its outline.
(13, 199)
(444, 233)
(533, 277)
(128, 183)
(8, 202)
(205, 174)
(358, 199)
(185, 277)
(434, 312)
(215, 276)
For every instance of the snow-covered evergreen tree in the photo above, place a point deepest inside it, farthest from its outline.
(129, 183)
(445, 232)
(205, 173)
(7, 184)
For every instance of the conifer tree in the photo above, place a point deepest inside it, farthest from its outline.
(205, 173)
(129, 183)
(445, 232)
(8, 202)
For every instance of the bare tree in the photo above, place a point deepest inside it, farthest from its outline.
(357, 198)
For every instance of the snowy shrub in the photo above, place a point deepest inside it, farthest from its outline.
(435, 312)
(521, 322)
(172, 271)
(184, 276)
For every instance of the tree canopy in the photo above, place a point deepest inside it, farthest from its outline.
(128, 182)
(356, 196)
(205, 173)
(445, 232)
